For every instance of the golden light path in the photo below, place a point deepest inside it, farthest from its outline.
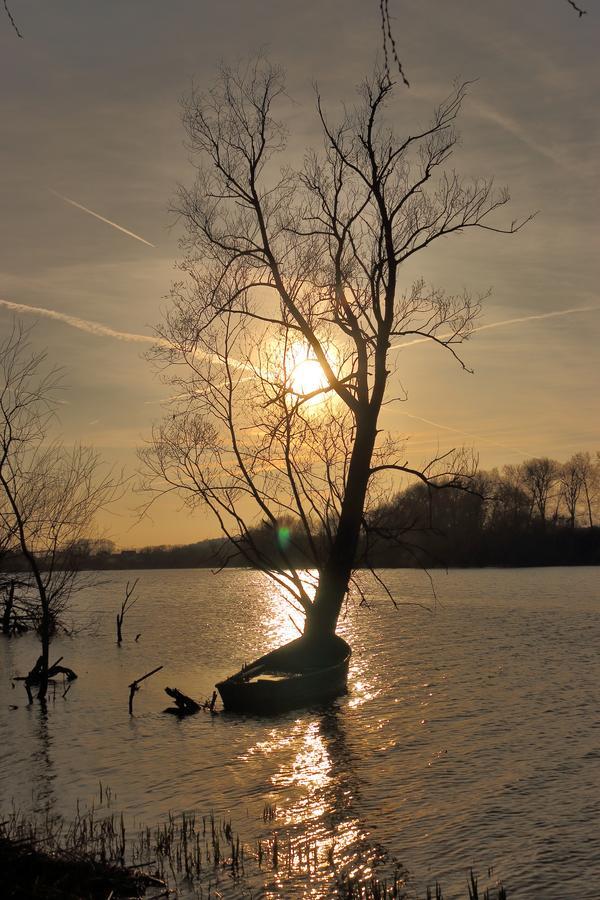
(313, 788)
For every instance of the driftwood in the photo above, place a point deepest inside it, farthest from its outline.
(34, 677)
(135, 686)
(69, 674)
(185, 706)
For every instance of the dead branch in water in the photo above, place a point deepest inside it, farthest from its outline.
(185, 706)
(125, 607)
(35, 675)
(135, 686)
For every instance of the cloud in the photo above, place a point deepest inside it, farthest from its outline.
(522, 133)
(99, 330)
(102, 219)
(82, 324)
(516, 321)
(533, 318)
(469, 434)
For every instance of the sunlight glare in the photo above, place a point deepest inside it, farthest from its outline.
(307, 377)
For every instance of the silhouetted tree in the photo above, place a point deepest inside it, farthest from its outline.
(571, 486)
(48, 494)
(539, 476)
(589, 470)
(289, 273)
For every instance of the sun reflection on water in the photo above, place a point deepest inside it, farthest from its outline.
(285, 622)
(310, 771)
(314, 792)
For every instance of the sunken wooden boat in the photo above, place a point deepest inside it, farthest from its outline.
(301, 673)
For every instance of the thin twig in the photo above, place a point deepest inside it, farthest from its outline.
(386, 30)
(12, 21)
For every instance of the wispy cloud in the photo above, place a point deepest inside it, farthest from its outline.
(471, 435)
(505, 322)
(102, 219)
(82, 324)
(99, 330)
(521, 132)
(552, 315)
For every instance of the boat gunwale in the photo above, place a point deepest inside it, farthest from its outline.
(244, 676)
(260, 666)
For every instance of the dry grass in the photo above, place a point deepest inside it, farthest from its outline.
(94, 855)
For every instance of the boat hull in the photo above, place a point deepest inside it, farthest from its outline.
(296, 675)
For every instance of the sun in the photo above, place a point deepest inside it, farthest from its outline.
(308, 377)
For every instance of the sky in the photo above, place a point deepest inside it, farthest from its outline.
(92, 150)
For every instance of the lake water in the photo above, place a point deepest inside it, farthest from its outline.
(470, 735)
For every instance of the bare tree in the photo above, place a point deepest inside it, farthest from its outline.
(571, 485)
(538, 476)
(278, 338)
(581, 482)
(591, 486)
(126, 605)
(48, 495)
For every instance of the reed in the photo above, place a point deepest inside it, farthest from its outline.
(97, 850)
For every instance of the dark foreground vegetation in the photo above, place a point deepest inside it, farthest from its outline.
(30, 872)
(94, 857)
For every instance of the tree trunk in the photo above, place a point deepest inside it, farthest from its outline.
(588, 500)
(45, 657)
(8, 608)
(335, 576)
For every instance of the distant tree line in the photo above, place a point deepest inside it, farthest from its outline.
(541, 512)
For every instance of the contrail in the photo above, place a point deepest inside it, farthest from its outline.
(82, 324)
(102, 219)
(551, 315)
(469, 434)
(517, 130)
(504, 322)
(517, 321)
(100, 330)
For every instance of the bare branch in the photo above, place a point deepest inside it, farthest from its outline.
(580, 12)
(12, 21)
